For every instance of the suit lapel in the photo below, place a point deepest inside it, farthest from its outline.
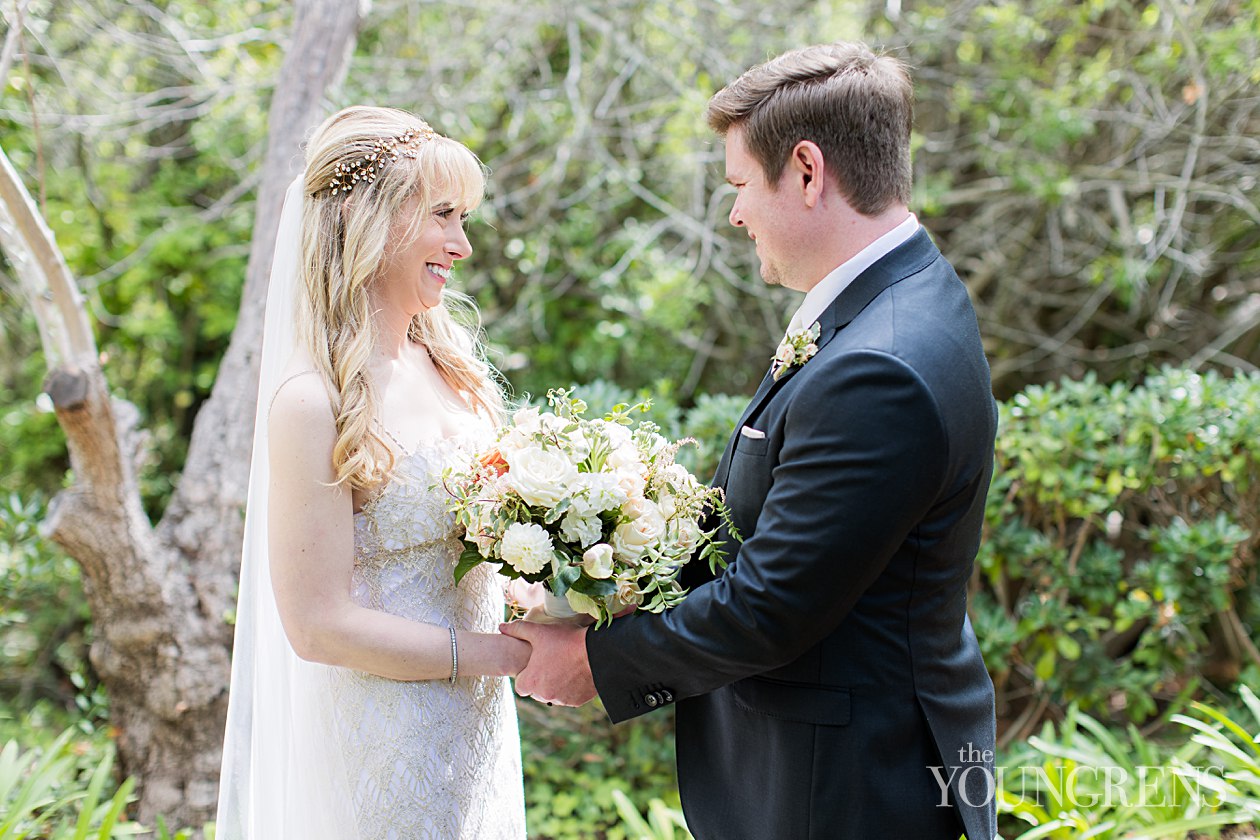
(908, 258)
(719, 477)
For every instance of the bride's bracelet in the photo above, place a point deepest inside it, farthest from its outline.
(454, 656)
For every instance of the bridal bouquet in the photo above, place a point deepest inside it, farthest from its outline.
(595, 509)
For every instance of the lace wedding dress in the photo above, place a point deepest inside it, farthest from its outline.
(426, 760)
(314, 752)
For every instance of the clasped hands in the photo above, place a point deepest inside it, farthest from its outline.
(558, 672)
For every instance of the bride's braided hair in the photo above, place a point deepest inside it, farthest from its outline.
(345, 232)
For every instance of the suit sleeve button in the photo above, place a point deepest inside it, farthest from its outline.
(666, 696)
(652, 700)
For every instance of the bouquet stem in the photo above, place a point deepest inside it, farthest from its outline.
(557, 607)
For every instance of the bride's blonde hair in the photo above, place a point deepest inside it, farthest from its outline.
(344, 238)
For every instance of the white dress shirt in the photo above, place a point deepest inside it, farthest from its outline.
(820, 297)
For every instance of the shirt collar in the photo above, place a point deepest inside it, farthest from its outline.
(820, 297)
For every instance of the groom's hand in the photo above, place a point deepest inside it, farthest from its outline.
(558, 670)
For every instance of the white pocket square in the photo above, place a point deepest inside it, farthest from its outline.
(750, 432)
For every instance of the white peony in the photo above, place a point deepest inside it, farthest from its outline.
(598, 561)
(540, 476)
(527, 547)
(581, 529)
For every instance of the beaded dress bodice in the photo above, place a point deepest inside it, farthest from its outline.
(427, 760)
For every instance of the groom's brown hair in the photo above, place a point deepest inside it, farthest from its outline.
(855, 105)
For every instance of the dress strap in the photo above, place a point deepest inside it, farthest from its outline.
(391, 437)
(282, 384)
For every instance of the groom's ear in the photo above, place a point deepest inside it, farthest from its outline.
(808, 170)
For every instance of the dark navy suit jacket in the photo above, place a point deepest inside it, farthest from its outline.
(824, 674)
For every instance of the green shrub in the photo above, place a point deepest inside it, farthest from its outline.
(44, 618)
(1117, 566)
(576, 763)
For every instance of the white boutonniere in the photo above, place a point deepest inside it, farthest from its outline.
(796, 348)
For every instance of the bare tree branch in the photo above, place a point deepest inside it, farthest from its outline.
(41, 269)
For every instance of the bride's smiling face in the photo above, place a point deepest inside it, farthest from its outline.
(424, 245)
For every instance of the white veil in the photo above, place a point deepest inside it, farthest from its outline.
(283, 775)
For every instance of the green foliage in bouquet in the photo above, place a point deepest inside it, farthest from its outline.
(706, 424)
(1117, 568)
(596, 509)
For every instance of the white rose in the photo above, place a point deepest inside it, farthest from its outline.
(686, 534)
(667, 503)
(628, 593)
(640, 508)
(598, 561)
(580, 529)
(582, 603)
(526, 421)
(541, 477)
(623, 549)
(526, 547)
(646, 527)
(631, 483)
(785, 354)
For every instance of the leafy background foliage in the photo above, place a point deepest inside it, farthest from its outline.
(1089, 167)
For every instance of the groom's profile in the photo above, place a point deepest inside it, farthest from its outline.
(828, 682)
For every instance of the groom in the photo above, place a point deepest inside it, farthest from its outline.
(828, 682)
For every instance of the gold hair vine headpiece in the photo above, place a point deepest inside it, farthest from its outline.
(384, 149)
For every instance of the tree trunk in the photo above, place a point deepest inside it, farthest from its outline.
(160, 596)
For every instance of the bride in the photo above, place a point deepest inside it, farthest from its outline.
(369, 696)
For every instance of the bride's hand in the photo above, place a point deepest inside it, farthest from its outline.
(517, 655)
